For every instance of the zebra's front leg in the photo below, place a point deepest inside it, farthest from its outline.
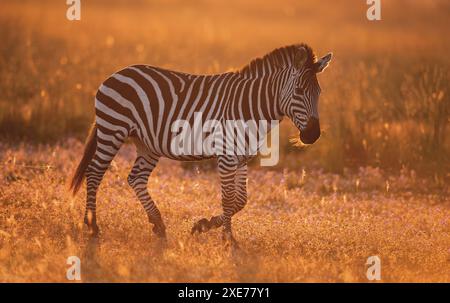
(239, 196)
(138, 179)
(228, 167)
(240, 200)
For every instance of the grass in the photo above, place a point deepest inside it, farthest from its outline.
(297, 227)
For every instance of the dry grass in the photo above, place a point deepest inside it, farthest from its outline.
(319, 227)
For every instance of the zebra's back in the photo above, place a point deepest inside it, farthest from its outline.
(144, 101)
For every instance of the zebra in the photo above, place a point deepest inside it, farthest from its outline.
(140, 102)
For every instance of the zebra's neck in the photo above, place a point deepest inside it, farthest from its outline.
(254, 98)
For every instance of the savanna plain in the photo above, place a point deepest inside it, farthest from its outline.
(374, 184)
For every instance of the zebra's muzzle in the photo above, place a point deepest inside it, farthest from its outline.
(312, 131)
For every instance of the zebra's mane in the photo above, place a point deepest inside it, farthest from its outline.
(279, 58)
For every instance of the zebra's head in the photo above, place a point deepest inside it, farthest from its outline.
(302, 108)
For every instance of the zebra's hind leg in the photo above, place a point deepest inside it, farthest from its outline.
(138, 179)
(107, 146)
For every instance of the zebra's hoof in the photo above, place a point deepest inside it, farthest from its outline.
(160, 231)
(93, 231)
(92, 226)
(201, 226)
(229, 240)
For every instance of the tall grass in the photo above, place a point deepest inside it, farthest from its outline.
(297, 227)
(385, 100)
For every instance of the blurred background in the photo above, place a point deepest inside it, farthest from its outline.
(385, 98)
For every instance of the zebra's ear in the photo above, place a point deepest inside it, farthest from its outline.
(323, 63)
(300, 57)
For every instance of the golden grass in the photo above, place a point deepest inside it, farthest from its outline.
(297, 227)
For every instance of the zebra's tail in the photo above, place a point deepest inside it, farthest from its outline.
(89, 151)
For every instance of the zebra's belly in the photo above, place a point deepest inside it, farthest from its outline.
(188, 157)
